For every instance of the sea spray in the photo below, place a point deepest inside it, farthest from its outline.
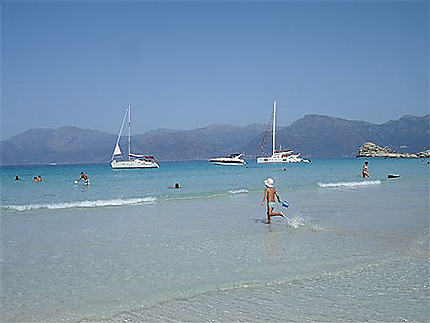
(296, 221)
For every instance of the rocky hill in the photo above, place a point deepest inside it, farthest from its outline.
(370, 149)
(313, 136)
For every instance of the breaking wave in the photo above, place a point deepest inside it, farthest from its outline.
(80, 204)
(239, 191)
(349, 184)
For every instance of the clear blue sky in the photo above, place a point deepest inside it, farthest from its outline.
(188, 64)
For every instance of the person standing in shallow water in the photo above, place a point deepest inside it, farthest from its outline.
(365, 171)
(269, 196)
(85, 178)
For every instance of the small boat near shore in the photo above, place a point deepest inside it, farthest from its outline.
(231, 160)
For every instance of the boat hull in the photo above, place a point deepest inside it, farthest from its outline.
(228, 163)
(232, 160)
(132, 164)
(270, 160)
(280, 159)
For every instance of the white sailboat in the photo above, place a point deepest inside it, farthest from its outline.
(280, 156)
(133, 161)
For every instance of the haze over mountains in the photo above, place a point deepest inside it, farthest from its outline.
(314, 136)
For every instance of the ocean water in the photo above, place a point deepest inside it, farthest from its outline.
(127, 248)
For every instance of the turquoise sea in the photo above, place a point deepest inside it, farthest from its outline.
(127, 248)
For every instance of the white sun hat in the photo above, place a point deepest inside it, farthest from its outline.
(269, 182)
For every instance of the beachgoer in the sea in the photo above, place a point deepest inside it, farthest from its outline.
(269, 196)
(365, 172)
(85, 178)
(38, 178)
(176, 186)
(16, 178)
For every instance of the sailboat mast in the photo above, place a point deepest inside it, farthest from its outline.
(129, 131)
(274, 128)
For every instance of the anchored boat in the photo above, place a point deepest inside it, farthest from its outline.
(233, 159)
(280, 156)
(133, 160)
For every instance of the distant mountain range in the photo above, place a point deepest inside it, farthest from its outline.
(328, 137)
(313, 136)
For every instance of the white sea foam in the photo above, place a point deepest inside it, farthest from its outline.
(81, 204)
(349, 184)
(239, 191)
(296, 221)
